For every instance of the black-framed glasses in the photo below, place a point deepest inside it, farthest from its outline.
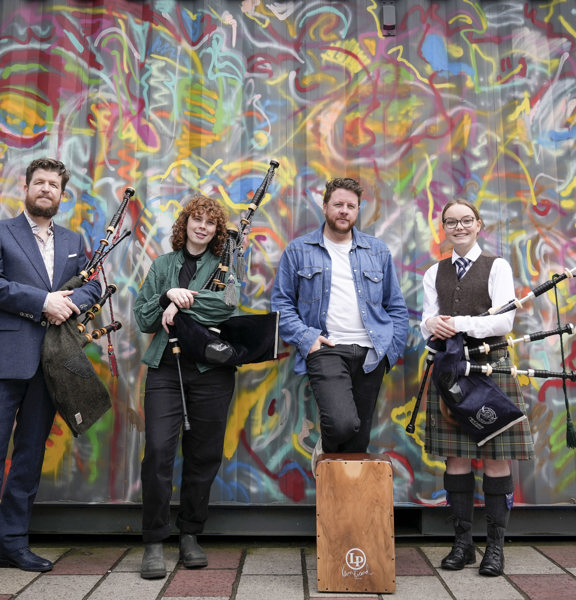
(466, 222)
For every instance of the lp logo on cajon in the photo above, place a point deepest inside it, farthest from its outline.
(355, 559)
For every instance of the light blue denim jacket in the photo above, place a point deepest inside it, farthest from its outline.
(301, 294)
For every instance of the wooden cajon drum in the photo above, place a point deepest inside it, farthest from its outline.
(355, 523)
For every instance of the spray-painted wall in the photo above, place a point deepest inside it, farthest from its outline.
(474, 98)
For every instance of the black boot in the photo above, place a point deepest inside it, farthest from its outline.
(153, 566)
(460, 497)
(498, 498)
(191, 553)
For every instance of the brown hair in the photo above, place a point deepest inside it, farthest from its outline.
(48, 164)
(463, 203)
(200, 205)
(345, 183)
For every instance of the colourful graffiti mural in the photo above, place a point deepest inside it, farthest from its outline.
(467, 97)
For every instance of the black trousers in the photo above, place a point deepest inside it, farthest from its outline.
(208, 397)
(346, 396)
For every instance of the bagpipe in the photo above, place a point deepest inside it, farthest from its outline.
(472, 399)
(533, 293)
(239, 340)
(242, 339)
(76, 390)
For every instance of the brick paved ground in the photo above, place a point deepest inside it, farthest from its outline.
(283, 569)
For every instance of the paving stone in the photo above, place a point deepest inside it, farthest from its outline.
(127, 586)
(409, 561)
(88, 560)
(13, 580)
(468, 584)
(425, 587)
(564, 555)
(224, 558)
(266, 587)
(273, 561)
(58, 587)
(525, 559)
(202, 582)
(546, 587)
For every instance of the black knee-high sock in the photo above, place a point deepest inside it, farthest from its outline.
(460, 497)
(498, 499)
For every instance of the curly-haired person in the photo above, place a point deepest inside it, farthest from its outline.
(175, 283)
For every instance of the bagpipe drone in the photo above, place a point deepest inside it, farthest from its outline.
(76, 390)
(473, 400)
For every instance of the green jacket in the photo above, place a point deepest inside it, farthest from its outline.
(208, 309)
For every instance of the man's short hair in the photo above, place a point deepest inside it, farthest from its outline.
(48, 164)
(345, 183)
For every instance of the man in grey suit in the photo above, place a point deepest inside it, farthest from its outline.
(36, 258)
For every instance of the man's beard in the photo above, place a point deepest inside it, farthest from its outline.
(337, 228)
(46, 212)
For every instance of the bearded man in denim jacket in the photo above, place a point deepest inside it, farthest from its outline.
(342, 308)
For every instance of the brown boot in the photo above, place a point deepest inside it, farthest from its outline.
(460, 497)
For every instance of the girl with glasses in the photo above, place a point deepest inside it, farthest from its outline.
(457, 290)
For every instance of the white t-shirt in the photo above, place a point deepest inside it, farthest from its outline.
(343, 321)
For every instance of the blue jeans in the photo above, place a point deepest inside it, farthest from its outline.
(346, 396)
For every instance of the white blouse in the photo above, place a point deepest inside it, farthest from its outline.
(500, 289)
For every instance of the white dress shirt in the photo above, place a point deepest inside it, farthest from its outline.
(500, 289)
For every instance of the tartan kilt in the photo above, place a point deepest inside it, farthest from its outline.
(442, 438)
